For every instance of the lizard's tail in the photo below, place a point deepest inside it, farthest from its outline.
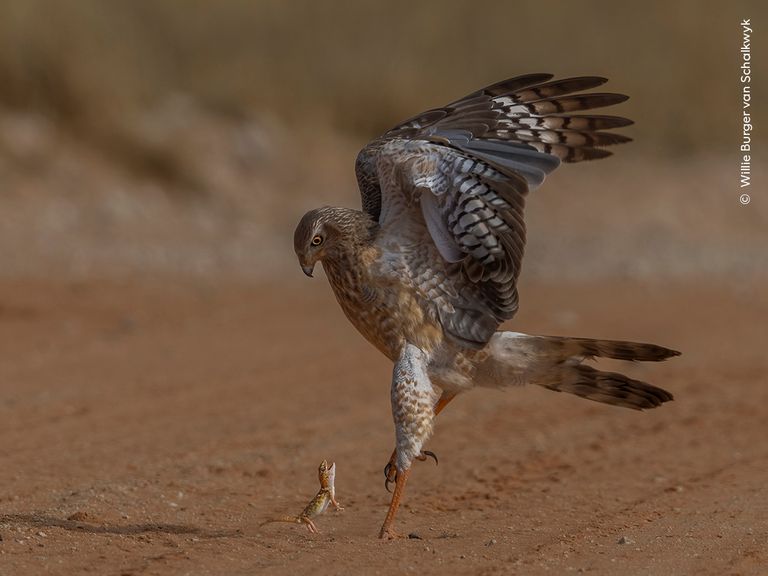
(289, 519)
(556, 363)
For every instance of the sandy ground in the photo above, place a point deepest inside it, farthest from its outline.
(149, 429)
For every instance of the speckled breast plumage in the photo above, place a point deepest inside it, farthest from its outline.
(385, 311)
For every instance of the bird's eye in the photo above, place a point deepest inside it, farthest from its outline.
(317, 240)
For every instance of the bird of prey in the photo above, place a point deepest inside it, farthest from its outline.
(427, 270)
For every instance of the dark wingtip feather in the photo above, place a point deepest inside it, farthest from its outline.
(622, 98)
(594, 99)
(602, 99)
(610, 138)
(576, 83)
(516, 83)
(582, 154)
(605, 122)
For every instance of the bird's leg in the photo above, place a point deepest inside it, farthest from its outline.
(390, 470)
(445, 398)
(413, 414)
(386, 529)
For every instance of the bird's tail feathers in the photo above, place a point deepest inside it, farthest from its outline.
(556, 363)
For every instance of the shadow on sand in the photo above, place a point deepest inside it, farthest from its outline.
(44, 521)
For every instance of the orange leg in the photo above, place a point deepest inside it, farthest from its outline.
(443, 402)
(386, 528)
(390, 470)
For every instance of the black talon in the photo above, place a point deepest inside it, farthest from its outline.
(387, 481)
(388, 468)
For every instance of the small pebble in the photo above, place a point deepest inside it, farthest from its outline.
(414, 536)
(42, 534)
(491, 542)
(625, 540)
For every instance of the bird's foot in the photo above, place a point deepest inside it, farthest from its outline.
(427, 453)
(390, 470)
(390, 534)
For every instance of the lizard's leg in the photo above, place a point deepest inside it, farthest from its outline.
(413, 413)
(336, 505)
(310, 525)
(390, 470)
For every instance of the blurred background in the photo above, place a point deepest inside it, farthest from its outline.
(186, 137)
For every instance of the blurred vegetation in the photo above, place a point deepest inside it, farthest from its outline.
(360, 66)
(190, 135)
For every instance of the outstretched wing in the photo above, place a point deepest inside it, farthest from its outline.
(460, 174)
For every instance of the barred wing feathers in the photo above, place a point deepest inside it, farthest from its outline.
(469, 166)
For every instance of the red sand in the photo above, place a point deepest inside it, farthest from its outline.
(149, 428)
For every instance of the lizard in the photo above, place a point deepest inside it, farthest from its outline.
(325, 496)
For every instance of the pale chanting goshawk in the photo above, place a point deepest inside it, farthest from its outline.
(427, 271)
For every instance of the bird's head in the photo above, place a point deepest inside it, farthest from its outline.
(314, 238)
(325, 233)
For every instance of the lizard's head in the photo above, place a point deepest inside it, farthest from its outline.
(326, 471)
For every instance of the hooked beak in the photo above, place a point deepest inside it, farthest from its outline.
(308, 269)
